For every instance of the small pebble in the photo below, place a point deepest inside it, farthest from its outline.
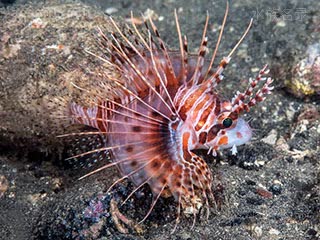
(255, 201)
(264, 193)
(12, 195)
(281, 24)
(56, 184)
(271, 138)
(111, 10)
(275, 189)
(255, 69)
(37, 23)
(250, 182)
(277, 182)
(312, 232)
(259, 163)
(150, 13)
(35, 198)
(273, 231)
(257, 231)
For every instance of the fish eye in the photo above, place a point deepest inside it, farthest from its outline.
(227, 122)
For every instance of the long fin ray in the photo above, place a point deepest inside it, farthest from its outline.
(115, 163)
(142, 77)
(201, 53)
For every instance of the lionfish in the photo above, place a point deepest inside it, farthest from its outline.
(164, 105)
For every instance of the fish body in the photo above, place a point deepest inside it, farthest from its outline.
(165, 105)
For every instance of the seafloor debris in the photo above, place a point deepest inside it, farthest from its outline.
(4, 185)
(305, 78)
(119, 218)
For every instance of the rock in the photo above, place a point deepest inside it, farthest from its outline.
(40, 51)
(271, 138)
(305, 80)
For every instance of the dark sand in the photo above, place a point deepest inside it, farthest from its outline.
(271, 188)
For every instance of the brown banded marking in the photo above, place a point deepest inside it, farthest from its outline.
(150, 89)
(185, 146)
(172, 75)
(202, 137)
(203, 116)
(201, 54)
(188, 101)
(213, 132)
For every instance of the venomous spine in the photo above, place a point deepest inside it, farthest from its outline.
(163, 105)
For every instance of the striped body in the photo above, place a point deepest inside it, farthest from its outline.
(163, 107)
(158, 148)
